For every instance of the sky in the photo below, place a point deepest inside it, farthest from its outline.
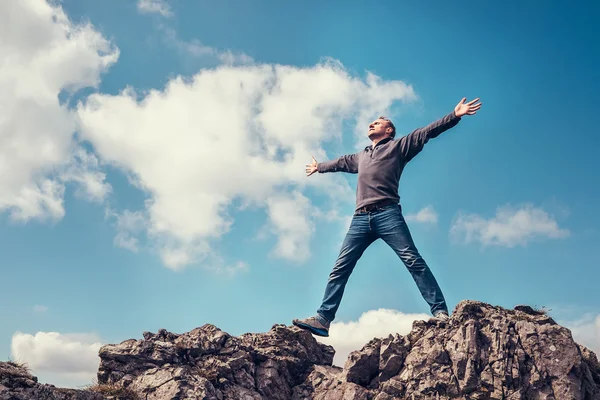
(152, 166)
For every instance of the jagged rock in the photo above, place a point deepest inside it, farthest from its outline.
(326, 383)
(207, 363)
(393, 352)
(486, 352)
(362, 366)
(16, 383)
(482, 352)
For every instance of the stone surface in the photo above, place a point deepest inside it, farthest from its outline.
(16, 383)
(482, 352)
(208, 363)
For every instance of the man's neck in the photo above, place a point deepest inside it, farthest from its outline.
(375, 141)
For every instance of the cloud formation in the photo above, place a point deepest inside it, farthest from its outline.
(40, 308)
(426, 215)
(160, 7)
(345, 337)
(45, 55)
(231, 133)
(235, 133)
(65, 360)
(510, 227)
(289, 217)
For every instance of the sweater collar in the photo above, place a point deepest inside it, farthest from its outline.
(381, 142)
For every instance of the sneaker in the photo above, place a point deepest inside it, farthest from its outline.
(313, 325)
(441, 316)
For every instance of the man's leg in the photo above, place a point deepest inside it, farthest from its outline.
(358, 238)
(392, 228)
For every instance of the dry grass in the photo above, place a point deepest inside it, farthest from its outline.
(20, 364)
(542, 309)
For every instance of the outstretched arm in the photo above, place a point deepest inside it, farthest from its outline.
(412, 144)
(347, 163)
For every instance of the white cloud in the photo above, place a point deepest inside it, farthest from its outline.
(64, 360)
(510, 227)
(425, 215)
(128, 225)
(125, 241)
(193, 48)
(44, 54)
(84, 170)
(42, 200)
(376, 102)
(154, 7)
(196, 49)
(40, 308)
(229, 133)
(346, 337)
(586, 331)
(290, 219)
(219, 266)
(230, 58)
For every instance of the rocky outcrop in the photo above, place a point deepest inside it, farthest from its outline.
(207, 363)
(16, 383)
(483, 352)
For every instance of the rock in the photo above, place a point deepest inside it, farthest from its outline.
(392, 354)
(16, 383)
(207, 363)
(362, 366)
(482, 352)
(325, 383)
(488, 352)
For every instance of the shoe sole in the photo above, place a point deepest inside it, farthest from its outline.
(312, 329)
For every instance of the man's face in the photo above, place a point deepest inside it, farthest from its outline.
(379, 129)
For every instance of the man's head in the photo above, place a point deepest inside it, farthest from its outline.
(381, 128)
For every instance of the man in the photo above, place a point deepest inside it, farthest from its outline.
(378, 213)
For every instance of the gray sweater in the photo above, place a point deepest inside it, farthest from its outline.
(379, 168)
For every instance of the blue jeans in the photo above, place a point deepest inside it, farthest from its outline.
(388, 224)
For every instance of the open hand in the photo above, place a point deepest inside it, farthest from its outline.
(469, 108)
(311, 168)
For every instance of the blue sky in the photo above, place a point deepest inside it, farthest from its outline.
(190, 206)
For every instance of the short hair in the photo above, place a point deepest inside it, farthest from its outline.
(391, 125)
